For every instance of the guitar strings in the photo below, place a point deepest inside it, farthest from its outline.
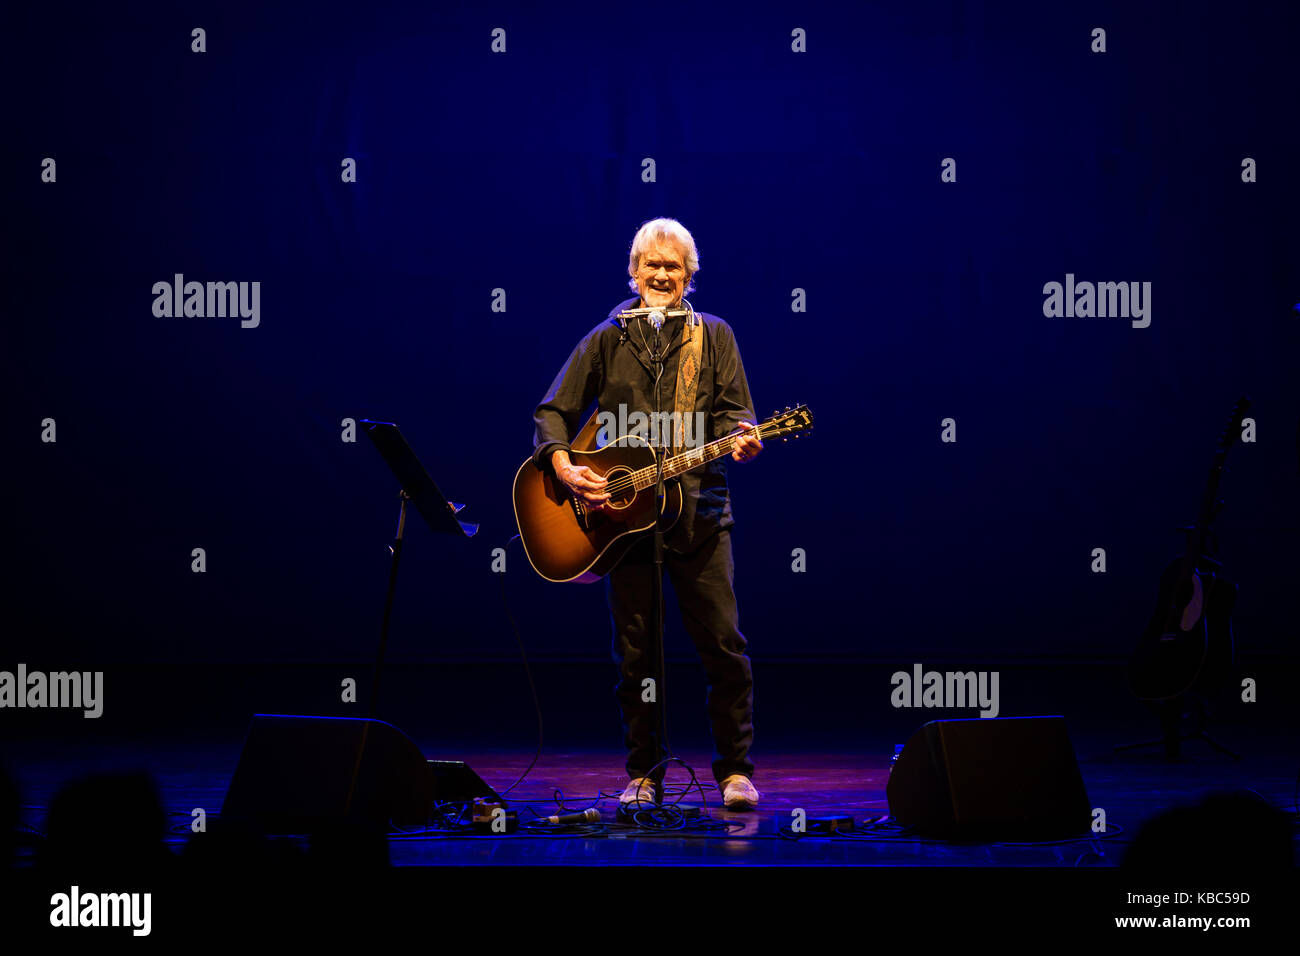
(631, 480)
(644, 476)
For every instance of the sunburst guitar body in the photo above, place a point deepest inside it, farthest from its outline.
(566, 541)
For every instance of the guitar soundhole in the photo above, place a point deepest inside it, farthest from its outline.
(618, 500)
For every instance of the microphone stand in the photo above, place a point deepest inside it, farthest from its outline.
(655, 633)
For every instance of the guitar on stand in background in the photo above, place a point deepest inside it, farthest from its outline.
(1186, 653)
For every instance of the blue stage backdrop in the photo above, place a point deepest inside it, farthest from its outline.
(434, 202)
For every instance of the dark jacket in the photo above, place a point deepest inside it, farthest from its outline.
(611, 367)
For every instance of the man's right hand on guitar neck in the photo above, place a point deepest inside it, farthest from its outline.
(580, 480)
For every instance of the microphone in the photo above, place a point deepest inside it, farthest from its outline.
(590, 815)
(656, 320)
(669, 313)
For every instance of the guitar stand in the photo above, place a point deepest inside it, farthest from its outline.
(1171, 715)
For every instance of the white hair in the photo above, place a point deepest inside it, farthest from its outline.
(664, 229)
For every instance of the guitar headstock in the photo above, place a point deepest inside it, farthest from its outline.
(1232, 431)
(790, 423)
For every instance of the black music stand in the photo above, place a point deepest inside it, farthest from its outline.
(438, 513)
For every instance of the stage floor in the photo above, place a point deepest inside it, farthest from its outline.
(1131, 788)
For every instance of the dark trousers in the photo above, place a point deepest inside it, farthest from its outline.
(702, 582)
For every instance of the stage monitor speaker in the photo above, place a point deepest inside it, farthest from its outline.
(304, 774)
(998, 778)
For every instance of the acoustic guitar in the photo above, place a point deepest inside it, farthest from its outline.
(566, 541)
(1187, 646)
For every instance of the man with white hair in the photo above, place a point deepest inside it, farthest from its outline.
(614, 368)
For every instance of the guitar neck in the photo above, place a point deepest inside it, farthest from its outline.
(698, 457)
(1205, 517)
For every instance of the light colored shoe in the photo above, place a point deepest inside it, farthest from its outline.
(641, 794)
(738, 793)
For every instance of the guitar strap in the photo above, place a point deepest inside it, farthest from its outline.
(688, 382)
(586, 438)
